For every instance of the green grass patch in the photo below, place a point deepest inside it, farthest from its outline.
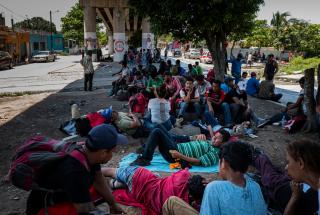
(300, 64)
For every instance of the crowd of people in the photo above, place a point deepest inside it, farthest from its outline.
(167, 97)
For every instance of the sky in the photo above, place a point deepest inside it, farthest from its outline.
(19, 9)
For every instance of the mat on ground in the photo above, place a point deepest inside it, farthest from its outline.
(159, 164)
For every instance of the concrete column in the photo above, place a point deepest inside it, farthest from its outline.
(119, 34)
(110, 42)
(90, 36)
(147, 35)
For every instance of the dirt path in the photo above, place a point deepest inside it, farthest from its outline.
(24, 116)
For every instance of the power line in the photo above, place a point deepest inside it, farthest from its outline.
(16, 14)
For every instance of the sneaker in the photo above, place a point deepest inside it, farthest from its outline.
(140, 161)
(179, 122)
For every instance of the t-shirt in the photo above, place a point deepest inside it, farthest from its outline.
(216, 96)
(87, 64)
(159, 109)
(124, 122)
(202, 88)
(125, 72)
(225, 88)
(152, 191)
(173, 87)
(202, 150)
(183, 93)
(155, 82)
(226, 198)
(199, 70)
(252, 86)
(308, 203)
(304, 108)
(236, 66)
(242, 84)
(266, 89)
(233, 93)
(68, 175)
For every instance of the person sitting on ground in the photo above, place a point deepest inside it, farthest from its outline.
(195, 150)
(201, 85)
(158, 109)
(74, 180)
(236, 187)
(198, 68)
(173, 87)
(122, 80)
(192, 72)
(169, 65)
(153, 191)
(297, 109)
(225, 86)
(215, 103)
(138, 84)
(271, 68)
(190, 98)
(210, 76)
(177, 70)
(284, 189)
(163, 67)
(266, 91)
(242, 84)
(253, 85)
(154, 81)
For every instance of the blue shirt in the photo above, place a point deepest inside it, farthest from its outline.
(225, 88)
(226, 198)
(252, 86)
(236, 66)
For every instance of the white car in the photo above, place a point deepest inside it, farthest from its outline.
(44, 56)
(193, 54)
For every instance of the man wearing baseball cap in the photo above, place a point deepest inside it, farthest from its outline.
(75, 178)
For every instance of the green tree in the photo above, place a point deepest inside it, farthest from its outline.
(211, 20)
(261, 35)
(72, 24)
(36, 23)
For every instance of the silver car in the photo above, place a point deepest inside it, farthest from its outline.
(43, 56)
(192, 54)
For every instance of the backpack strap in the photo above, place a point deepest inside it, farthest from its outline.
(81, 158)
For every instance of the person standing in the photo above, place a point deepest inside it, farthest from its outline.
(236, 67)
(271, 68)
(86, 62)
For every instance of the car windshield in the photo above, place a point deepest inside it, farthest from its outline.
(44, 52)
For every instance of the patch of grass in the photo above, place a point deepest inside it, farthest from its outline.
(16, 94)
(300, 64)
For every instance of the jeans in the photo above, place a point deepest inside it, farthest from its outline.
(88, 79)
(165, 141)
(276, 182)
(276, 97)
(184, 106)
(150, 126)
(225, 108)
(278, 117)
(125, 175)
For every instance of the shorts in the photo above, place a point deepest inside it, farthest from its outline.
(125, 175)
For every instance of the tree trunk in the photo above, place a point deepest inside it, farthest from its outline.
(215, 45)
(311, 124)
(233, 44)
(318, 90)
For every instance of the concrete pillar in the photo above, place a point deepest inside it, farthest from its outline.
(119, 35)
(90, 36)
(147, 35)
(110, 42)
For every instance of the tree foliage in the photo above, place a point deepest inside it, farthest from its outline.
(261, 35)
(72, 24)
(212, 20)
(36, 23)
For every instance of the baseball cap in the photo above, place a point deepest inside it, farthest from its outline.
(103, 137)
(253, 74)
(106, 113)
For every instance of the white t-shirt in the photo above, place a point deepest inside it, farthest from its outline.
(159, 109)
(304, 108)
(125, 71)
(183, 94)
(242, 84)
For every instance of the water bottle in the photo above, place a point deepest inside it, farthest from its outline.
(283, 122)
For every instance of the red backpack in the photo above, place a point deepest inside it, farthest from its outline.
(138, 103)
(37, 152)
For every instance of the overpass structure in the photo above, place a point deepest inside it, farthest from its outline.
(120, 23)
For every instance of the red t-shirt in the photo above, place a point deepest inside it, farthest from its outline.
(216, 96)
(95, 119)
(153, 191)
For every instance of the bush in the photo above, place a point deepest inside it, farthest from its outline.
(300, 64)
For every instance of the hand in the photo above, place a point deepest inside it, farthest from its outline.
(174, 153)
(201, 137)
(296, 189)
(115, 209)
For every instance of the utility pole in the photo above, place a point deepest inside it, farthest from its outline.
(51, 39)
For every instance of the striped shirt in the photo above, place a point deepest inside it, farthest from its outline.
(202, 150)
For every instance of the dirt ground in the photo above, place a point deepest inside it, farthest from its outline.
(24, 116)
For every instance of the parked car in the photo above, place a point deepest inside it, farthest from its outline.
(192, 54)
(5, 60)
(44, 56)
(206, 57)
(177, 53)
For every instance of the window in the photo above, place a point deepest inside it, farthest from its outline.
(42, 46)
(36, 46)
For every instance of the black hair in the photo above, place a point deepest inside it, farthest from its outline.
(168, 73)
(200, 77)
(124, 63)
(188, 78)
(177, 61)
(217, 82)
(244, 72)
(196, 187)
(190, 66)
(89, 52)
(162, 91)
(237, 154)
(225, 135)
(82, 126)
(197, 63)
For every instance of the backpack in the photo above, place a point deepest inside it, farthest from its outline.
(138, 103)
(36, 153)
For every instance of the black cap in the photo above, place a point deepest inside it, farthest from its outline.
(102, 137)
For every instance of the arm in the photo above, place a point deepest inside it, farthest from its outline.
(136, 122)
(296, 104)
(104, 190)
(294, 200)
(178, 86)
(193, 161)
